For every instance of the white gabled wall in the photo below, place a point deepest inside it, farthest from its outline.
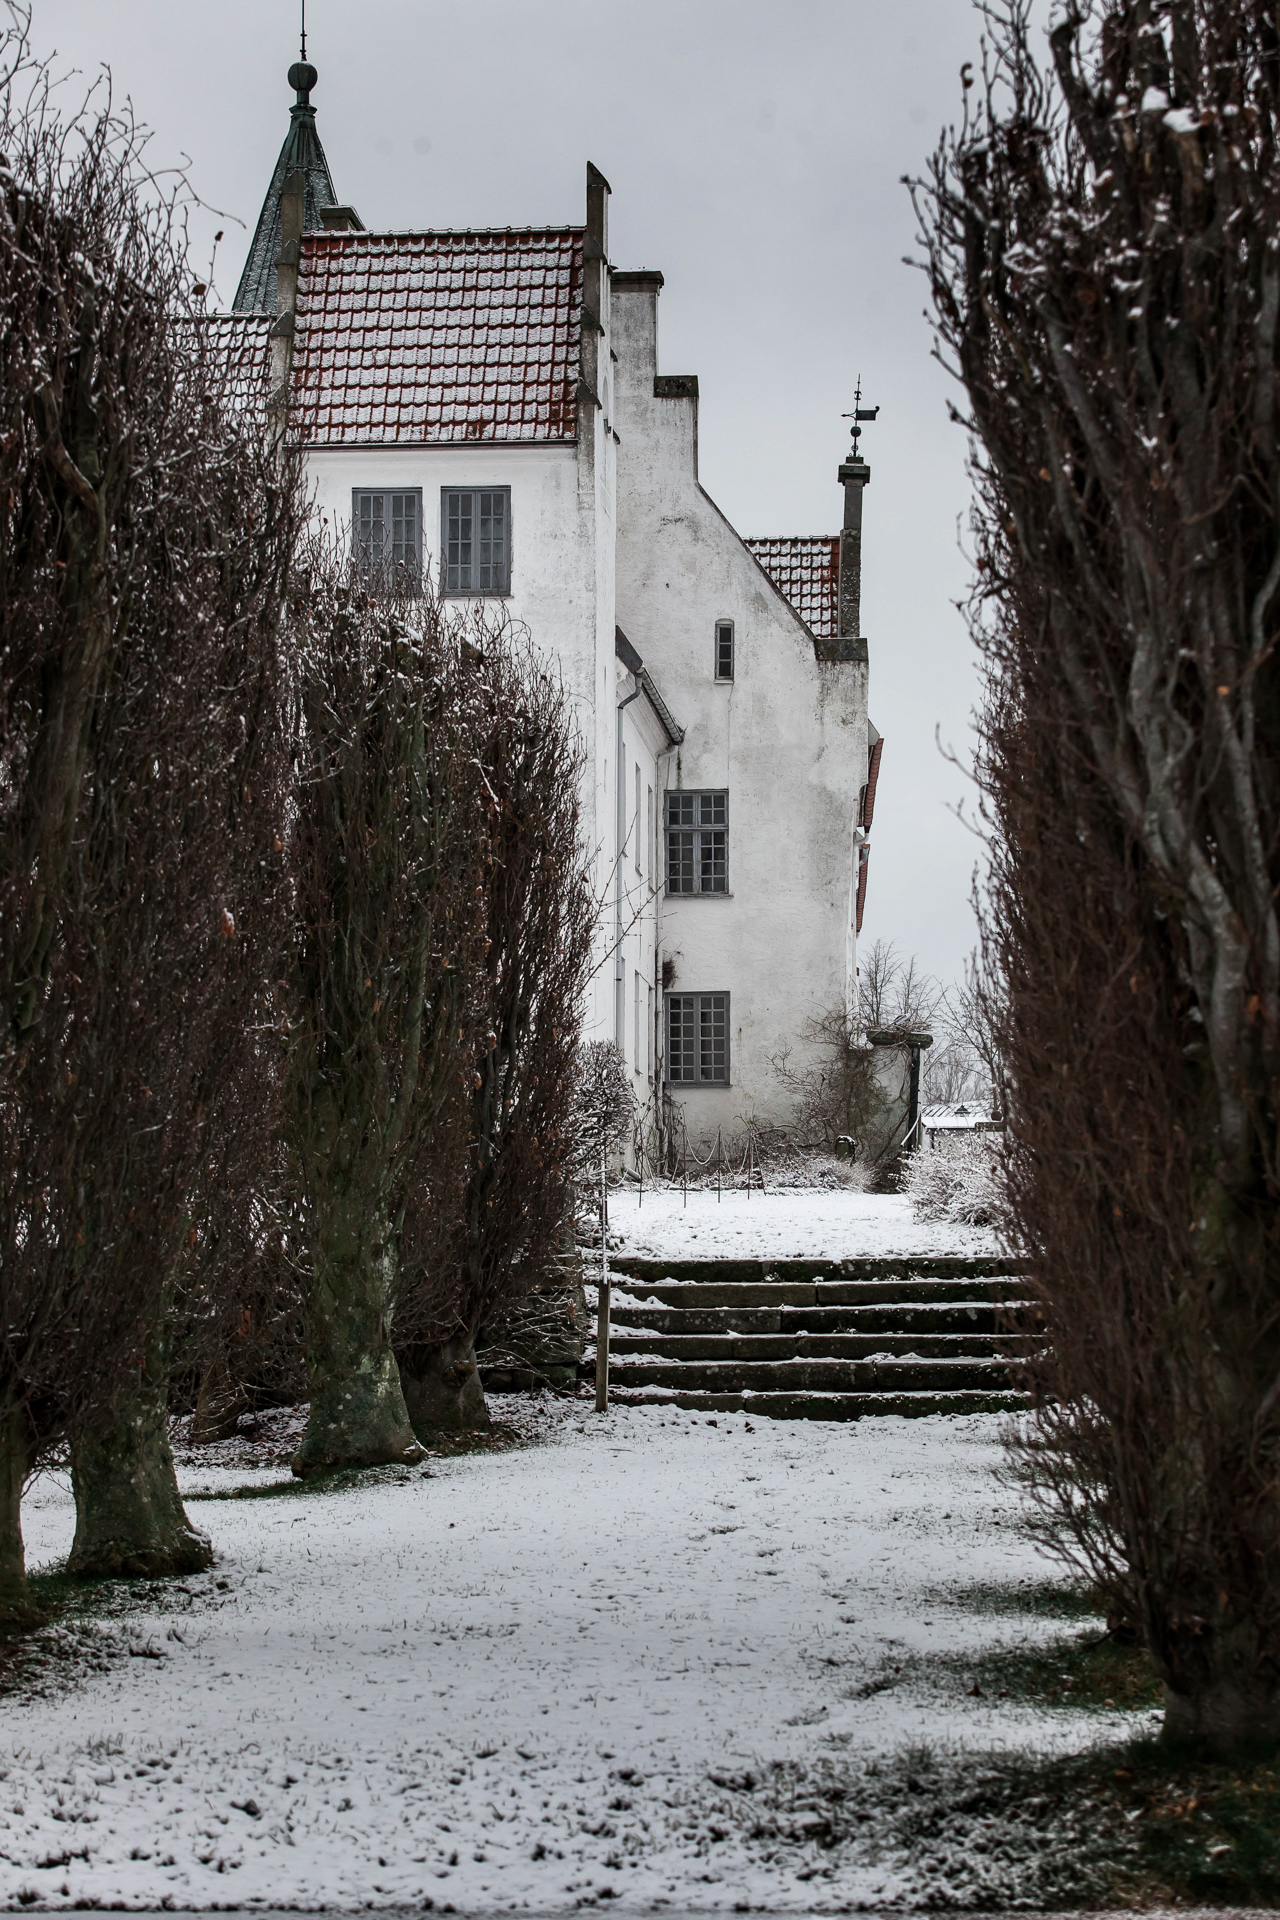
(787, 738)
(637, 884)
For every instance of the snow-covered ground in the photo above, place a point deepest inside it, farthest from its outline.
(793, 1224)
(657, 1657)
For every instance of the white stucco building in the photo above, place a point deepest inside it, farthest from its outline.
(491, 407)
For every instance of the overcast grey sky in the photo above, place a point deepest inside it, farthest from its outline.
(755, 151)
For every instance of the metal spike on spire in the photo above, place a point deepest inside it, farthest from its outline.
(304, 29)
(858, 416)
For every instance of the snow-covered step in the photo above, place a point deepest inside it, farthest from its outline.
(674, 1288)
(827, 1406)
(958, 1316)
(883, 1374)
(628, 1340)
(893, 1267)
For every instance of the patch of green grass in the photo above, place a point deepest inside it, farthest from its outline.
(1043, 1599)
(1209, 1832)
(1130, 1826)
(1086, 1670)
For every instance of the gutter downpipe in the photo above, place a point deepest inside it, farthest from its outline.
(619, 971)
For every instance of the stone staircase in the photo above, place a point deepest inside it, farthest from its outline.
(812, 1339)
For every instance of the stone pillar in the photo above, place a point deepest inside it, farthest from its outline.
(854, 475)
(287, 265)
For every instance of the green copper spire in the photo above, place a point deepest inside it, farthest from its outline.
(257, 290)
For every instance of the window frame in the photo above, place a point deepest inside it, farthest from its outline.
(703, 1004)
(385, 567)
(649, 1033)
(448, 592)
(697, 829)
(725, 632)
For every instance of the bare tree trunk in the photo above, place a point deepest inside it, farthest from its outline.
(130, 1521)
(443, 1391)
(219, 1403)
(358, 1417)
(18, 1611)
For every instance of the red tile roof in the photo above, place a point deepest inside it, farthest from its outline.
(238, 352)
(806, 571)
(438, 337)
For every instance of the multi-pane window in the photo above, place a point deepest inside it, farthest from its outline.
(637, 846)
(698, 1039)
(637, 1056)
(648, 834)
(388, 535)
(475, 534)
(697, 842)
(724, 649)
(648, 1033)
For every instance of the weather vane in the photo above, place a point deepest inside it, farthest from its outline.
(859, 414)
(304, 29)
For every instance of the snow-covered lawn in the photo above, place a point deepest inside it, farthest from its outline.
(795, 1224)
(654, 1657)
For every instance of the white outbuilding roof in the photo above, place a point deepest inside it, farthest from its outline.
(960, 1119)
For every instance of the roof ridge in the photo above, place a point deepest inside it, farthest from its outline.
(438, 233)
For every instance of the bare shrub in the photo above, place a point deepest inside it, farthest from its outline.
(1101, 250)
(957, 1179)
(500, 1167)
(146, 543)
(388, 869)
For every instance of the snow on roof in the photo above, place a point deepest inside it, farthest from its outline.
(806, 571)
(239, 344)
(940, 1119)
(438, 337)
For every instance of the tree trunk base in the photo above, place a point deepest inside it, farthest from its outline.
(130, 1520)
(359, 1421)
(443, 1391)
(19, 1612)
(1230, 1715)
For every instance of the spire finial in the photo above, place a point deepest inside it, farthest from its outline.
(859, 414)
(302, 75)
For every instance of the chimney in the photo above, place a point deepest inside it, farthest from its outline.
(854, 475)
(287, 264)
(595, 261)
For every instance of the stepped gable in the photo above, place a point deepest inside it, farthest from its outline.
(806, 572)
(439, 338)
(301, 151)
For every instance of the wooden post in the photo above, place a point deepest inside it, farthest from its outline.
(602, 1310)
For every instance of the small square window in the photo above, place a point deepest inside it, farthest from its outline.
(698, 1039)
(697, 842)
(724, 649)
(475, 538)
(387, 532)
